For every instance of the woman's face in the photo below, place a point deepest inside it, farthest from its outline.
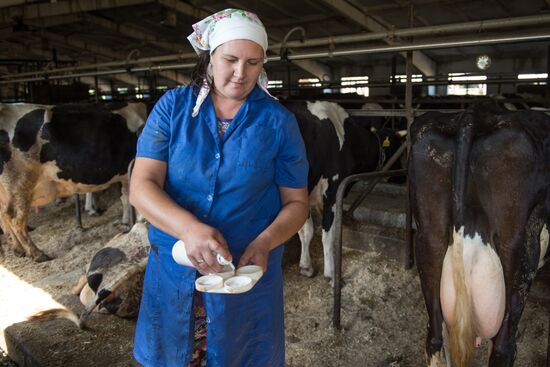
(236, 66)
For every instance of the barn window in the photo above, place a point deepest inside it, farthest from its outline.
(275, 84)
(309, 82)
(473, 89)
(359, 82)
(91, 92)
(122, 90)
(162, 87)
(534, 76)
(415, 78)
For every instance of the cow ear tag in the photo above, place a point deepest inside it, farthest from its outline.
(386, 143)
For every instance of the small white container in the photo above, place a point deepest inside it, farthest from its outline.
(238, 284)
(208, 282)
(252, 271)
(180, 256)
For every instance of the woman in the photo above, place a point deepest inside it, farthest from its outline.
(222, 166)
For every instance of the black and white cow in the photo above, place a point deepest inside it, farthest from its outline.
(480, 193)
(336, 147)
(114, 279)
(56, 151)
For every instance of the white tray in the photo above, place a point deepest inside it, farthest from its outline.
(243, 281)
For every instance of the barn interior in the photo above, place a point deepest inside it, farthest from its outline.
(69, 51)
(404, 57)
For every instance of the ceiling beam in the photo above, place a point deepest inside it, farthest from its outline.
(22, 49)
(130, 31)
(106, 52)
(422, 62)
(302, 21)
(284, 11)
(40, 10)
(56, 20)
(321, 71)
(394, 5)
(355, 14)
(184, 8)
(41, 23)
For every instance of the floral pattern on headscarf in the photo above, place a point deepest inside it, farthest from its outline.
(207, 25)
(200, 39)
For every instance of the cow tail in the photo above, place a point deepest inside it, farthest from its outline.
(462, 333)
(57, 313)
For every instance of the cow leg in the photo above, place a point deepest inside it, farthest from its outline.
(329, 204)
(14, 220)
(519, 263)
(430, 188)
(18, 250)
(90, 205)
(306, 235)
(126, 207)
(430, 250)
(328, 250)
(1, 251)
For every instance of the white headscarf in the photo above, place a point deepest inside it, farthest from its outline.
(224, 26)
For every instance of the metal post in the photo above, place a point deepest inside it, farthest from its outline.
(96, 86)
(112, 85)
(77, 208)
(409, 250)
(548, 77)
(393, 84)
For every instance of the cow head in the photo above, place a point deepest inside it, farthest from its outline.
(115, 275)
(390, 141)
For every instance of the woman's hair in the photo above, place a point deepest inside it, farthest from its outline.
(200, 73)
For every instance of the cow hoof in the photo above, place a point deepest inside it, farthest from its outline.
(19, 253)
(96, 213)
(307, 272)
(123, 227)
(42, 257)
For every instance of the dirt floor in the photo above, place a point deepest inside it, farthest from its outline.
(383, 314)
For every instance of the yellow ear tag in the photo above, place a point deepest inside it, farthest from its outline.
(386, 142)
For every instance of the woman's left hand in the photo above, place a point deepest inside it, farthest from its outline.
(290, 219)
(256, 253)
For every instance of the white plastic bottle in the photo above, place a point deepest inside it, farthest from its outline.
(180, 256)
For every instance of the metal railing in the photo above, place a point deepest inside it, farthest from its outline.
(338, 233)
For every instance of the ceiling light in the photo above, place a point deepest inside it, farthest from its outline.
(483, 62)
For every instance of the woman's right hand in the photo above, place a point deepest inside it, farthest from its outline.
(150, 199)
(200, 241)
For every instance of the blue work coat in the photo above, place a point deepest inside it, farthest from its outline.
(232, 185)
